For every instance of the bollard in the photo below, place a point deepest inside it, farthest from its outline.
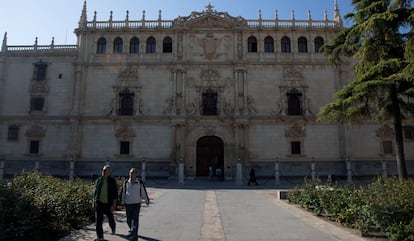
(277, 173)
(181, 173)
(239, 173)
(313, 170)
(1, 169)
(384, 169)
(349, 171)
(37, 164)
(72, 170)
(143, 170)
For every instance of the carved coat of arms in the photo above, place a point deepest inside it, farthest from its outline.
(209, 44)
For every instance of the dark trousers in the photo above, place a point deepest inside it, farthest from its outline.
(101, 209)
(132, 213)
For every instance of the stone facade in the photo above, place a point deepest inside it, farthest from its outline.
(206, 89)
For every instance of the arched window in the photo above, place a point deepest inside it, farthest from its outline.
(134, 45)
(151, 45)
(318, 44)
(302, 45)
(118, 46)
(269, 45)
(101, 46)
(251, 44)
(294, 100)
(167, 45)
(285, 44)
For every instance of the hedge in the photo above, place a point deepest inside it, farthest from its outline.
(385, 206)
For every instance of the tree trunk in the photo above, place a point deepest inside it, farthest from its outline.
(399, 140)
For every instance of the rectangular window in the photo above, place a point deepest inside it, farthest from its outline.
(37, 103)
(40, 71)
(387, 147)
(13, 133)
(34, 147)
(409, 132)
(295, 147)
(124, 148)
(209, 103)
(126, 102)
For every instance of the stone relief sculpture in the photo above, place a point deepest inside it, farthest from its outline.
(278, 110)
(193, 107)
(35, 131)
(250, 105)
(124, 132)
(292, 74)
(39, 87)
(213, 17)
(295, 130)
(385, 132)
(209, 44)
(170, 105)
(228, 107)
(309, 107)
(128, 76)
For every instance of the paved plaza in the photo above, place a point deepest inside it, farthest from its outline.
(209, 211)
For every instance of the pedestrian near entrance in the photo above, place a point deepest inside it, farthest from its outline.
(104, 201)
(252, 178)
(132, 193)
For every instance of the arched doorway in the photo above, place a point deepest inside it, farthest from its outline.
(210, 152)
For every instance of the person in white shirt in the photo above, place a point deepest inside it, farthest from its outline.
(133, 192)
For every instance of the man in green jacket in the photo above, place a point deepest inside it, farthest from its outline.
(104, 200)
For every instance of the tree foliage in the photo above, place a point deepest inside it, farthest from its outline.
(381, 39)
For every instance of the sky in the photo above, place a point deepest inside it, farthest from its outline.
(24, 20)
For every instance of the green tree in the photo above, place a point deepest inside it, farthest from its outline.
(381, 39)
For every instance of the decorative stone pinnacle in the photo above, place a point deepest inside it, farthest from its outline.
(4, 45)
(209, 8)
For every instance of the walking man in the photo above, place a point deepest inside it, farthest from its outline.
(104, 201)
(133, 192)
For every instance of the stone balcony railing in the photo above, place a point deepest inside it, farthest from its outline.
(40, 49)
(252, 24)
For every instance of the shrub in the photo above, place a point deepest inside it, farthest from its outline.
(387, 205)
(40, 207)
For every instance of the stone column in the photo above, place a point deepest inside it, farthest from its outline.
(236, 92)
(76, 91)
(244, 91)
(183, 96)
(174, 90)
